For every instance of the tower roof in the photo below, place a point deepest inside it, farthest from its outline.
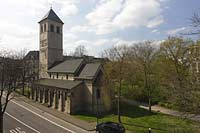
(51, 15)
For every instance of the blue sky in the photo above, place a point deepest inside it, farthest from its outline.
(96, 24)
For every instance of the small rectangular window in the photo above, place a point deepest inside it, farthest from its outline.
(45, 28)
(67, 77)
(41, 28)
(58, 29)
(57, 75)
(52, 28)
(98, 94)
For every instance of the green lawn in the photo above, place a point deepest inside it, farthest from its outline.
(138, 120)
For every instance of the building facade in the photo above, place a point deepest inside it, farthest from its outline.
(51, 40)
(69, 84)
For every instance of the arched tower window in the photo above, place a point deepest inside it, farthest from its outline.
(52, 28)
(45, 29)
(58, 29)
(41, 28)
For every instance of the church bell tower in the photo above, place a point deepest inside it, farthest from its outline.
(51, 42)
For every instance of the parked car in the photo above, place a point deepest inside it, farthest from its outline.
(110, 127)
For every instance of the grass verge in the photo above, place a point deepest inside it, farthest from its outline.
(138, 120)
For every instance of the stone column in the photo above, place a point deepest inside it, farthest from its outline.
(32, 93)
(46, 95)
(41, 94)
(59, 100)
(29, 91)
(60, 107)
(67, 104)
(63, 101)
(36, 94)
(56, 99)
(51, 97)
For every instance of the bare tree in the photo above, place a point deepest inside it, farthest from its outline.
(10, 71)
(195, 22)
(80, 51)
(24, 67)
(117, 55)
(144, 54)
(194, 25)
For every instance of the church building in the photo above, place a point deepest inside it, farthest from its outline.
(68, 84)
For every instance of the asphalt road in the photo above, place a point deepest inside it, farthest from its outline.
(21, 117)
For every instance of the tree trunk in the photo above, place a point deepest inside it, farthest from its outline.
(23, 90)
(1, 123)
(149, 104)
(119, 99)
(119, 95)
(149, 97)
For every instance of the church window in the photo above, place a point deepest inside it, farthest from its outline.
(65, 95)
(45, 54)
(57, 75)
(59, 94)
(41, 28)
(67, 77)
(45, 28)
(98, 94)
(58, 29)
(52, 28)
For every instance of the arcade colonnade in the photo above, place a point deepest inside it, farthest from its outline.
(56, 98)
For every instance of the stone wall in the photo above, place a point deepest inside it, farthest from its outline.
(51, 46)
(77, 99)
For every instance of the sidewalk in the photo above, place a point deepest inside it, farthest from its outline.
(66, 117)
(157, 108)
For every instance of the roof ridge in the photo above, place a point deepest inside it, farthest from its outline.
(51, 15)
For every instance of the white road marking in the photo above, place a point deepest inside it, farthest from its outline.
(19, 130)
(16, 130)
(13, 131)
(22, 123)
(54, 117)
(43, 117)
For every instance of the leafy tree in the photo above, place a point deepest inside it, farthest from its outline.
(143, 55)
(117, 57)
(177, 51)
(10, 77)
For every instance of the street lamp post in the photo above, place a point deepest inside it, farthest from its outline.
(97, 99)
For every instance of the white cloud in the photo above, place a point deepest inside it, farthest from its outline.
(79, 28)
(69, 9)
(70, 37)
(19, 27)
(113, 15)
(155, 22)
(118, 42)
(154, 31)
(96, 47)
(176, 31)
